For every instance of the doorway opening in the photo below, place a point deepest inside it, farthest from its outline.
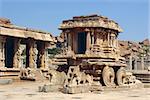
(81, 43)
(9, 52)
(133, 64)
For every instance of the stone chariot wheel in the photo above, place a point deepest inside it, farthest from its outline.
(121, 73)
(108, 75)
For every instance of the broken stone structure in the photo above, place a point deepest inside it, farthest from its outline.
(139, 67)
(22, 47)
(89, 60)
(137, 55)
(138, 63)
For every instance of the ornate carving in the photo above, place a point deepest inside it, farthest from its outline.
(34, 55)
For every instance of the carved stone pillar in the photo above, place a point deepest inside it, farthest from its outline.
(96, 38)
(74, 42)
(142, 63)
(69, 52)
(108, 37)
(92, 35)
(41, 55)
(69, 42)
(130, 62)
(105, 41)
(32, 53)
(65, 39)
(117, 45)
(65, 43)
(135, 66)
(45, 58)
(88, 42)
(114, 41)
(2, 51)
(17, 54)
(100, 39)
(42, 58)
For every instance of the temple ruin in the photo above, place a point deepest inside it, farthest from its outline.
(22, 47)
(90, 58)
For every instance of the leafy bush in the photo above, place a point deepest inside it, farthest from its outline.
(54, 51)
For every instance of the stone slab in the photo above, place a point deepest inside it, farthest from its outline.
(5, 81)
(49, 88)
(76, 89)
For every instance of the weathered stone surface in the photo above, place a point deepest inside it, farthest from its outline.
(5, 81)
(96, 86)
(77, 89)
(130, 81)
(5, 21)
(49, 88)
(90, 21)
(31, 74)
(56, 77)
(56, 81)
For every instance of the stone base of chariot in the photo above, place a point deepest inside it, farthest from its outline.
(78, 82)
(83, 88)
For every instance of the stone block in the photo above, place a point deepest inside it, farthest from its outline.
(96, 88)
(137, 84)
(56, 77)
(76, 89)
(5, 81)
(49, 88)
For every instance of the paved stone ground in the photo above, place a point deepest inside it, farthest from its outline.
(29, 91)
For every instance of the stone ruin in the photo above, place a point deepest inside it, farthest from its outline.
(90, 59)
(22, 50)
(137, 55)
(92, 56)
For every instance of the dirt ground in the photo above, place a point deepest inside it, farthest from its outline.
(29, 91)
